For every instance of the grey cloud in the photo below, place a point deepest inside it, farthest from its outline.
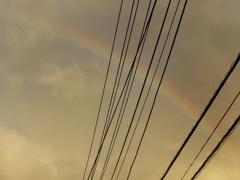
(50, 86)
(22, 159)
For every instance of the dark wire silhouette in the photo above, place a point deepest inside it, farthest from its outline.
(119, 71)
(107, 130)
(217, 148)
(123, 106)
(118, 75)
(211, 134)
(127, 87)
(139, 46)
(202, 115)
(129, 73)
(143, 86)
(103, 92)
(156, 69)
(159, 85)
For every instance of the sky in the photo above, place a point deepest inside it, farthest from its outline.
(53, 61)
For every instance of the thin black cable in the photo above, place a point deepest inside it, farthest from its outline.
(217, 148)
(132, 81)
(137, 64)
(101, 145)
(144, 36)
(103, 92)
(118, 75)
(156, 69)
(159, 85)
(129, 92)
(123, 107)
(118, 123)
(98, 153)
(130, 71)
(211, 134)
(116, 82)
(143, 86)
(110, 148)
(145, 32)
(202, 115)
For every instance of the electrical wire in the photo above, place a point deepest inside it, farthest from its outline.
(217, 148)
(119, 73)
(202, 115)
(211, 134)
(140, 44)
(107, 130)
(140, 95)
(123, 107)
(103, 92)
(129, 73)
(146, 29)
(135, 70)
(149, 88)
(159, 85)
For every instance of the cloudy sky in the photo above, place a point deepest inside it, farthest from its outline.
(53, 61)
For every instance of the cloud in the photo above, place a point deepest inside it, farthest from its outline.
(217, 172)
(20, 159)
(69, 82)
(19, 156)
(50, 86)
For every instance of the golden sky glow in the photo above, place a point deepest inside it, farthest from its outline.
(53, 61)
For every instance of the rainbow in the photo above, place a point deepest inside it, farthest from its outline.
(99, 49)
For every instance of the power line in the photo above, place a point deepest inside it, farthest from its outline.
(149, 88)
(103, 92)
(137, 62)
(123, 107)
(119, 71)
(115, 133)
(211, 134)
(129, 74)
(217, 148)
(144, 34)
(159, 85)
(202, 115)
(107, 129)
(140, 95)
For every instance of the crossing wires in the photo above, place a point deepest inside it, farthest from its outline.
(104, 88)
(234, 64)
(217, 148)
(145, 31)
(204, 145)
(116, 138)
(159, 85)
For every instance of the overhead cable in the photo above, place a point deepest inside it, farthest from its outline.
(158, 63)
(211, 134)
(159, 85)
(144, 34)
(119, 69)
(202, 115)
(143, 86)
(129, 73)
(119, 72)
(124, 104)
(103, 92)
(217, 148)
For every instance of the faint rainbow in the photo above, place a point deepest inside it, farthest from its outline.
(98, 48)
(92, 45)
